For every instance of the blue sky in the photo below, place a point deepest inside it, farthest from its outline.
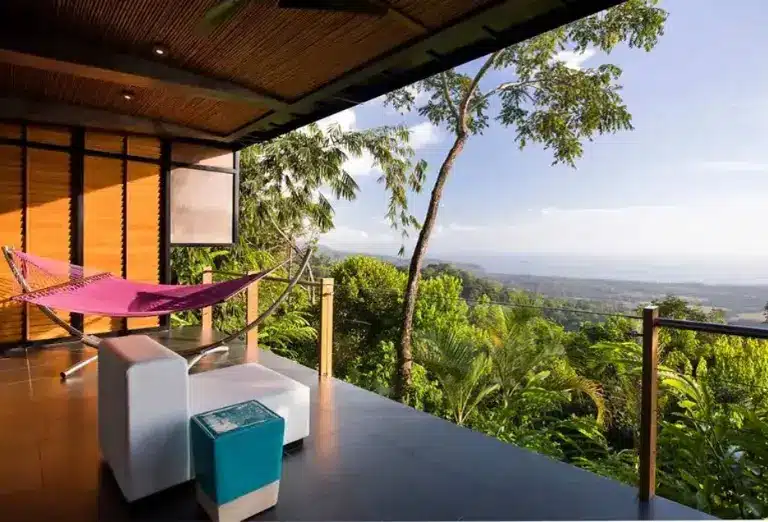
(690, 180)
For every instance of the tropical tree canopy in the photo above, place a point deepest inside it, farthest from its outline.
(544, 100)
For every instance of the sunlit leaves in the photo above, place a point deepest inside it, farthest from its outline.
(283, 179)
(543, 100)
(461, 369)
(713, 457)
(638, 23)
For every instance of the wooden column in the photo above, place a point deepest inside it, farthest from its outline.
(649, 391)
(326, 327)
(251, 314)
(207, 312)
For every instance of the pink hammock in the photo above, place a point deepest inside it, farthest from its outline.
(62, 286)
(49, 284)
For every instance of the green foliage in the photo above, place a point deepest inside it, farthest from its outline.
(737, 372)
(280, 202)
(280, 179)
(462, 370)
(546, 101)
(705, 460)
(473, 287)
(367, 298)
(369, 291)
(440, 305)
(374, 371)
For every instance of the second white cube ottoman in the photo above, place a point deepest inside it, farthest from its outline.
(251, 381)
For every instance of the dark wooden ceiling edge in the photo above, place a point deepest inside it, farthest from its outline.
(405, 18)
(65, 55)
(61, 114)
(568, 11)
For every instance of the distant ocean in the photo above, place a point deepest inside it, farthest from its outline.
(747, 271)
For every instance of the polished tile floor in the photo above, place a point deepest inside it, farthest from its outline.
(367, 458)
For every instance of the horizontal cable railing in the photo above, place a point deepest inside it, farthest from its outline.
(302, 282)
(714, 328)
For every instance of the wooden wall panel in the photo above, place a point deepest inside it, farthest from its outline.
(115, 190)
(143, 229)
(11, 201)
(47, 224)
(49, 135)
(103, 226)
(144, 146)
(104, 142)
(10, 130)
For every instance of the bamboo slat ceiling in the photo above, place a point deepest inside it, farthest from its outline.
(265, 71)
(161, 104)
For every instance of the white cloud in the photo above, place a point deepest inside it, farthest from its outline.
(361, 166)
(419, 98)
(732, 227)
(349, 237)
(574, 60)
(729, 227)
(424, 134)
(346, 119)
(456, 227)
(548, 211)
(734, 166)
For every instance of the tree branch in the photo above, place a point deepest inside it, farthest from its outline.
(473, 87)
(512, 85)
(292, 245)
(503, 87)
(448, 100)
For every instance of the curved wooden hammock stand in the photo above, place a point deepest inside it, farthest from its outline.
(218, 346)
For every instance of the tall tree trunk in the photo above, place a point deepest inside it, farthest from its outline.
(404, 352)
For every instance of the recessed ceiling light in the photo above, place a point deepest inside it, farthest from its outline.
(159, 50)
(127, 95)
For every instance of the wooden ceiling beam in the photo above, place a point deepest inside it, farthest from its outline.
(75, 115)
(70, 57)
(402, 16)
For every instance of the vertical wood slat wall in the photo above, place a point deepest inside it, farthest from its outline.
(47, 224)
(103, 227)
(143, 232)
(11, 201)
(120, 215)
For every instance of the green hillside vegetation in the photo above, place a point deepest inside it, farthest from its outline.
(742, 304)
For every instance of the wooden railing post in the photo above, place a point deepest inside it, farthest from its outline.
(326, 327)
(649, 391)
(251, 314)
(207, 312)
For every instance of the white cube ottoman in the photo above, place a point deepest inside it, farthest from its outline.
(225, 386)
(143, 414)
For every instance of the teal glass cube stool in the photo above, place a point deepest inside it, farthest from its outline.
(237, 453)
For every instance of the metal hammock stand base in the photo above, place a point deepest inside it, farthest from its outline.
(93, 341)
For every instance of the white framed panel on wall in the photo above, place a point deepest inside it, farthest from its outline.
(203, 207)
